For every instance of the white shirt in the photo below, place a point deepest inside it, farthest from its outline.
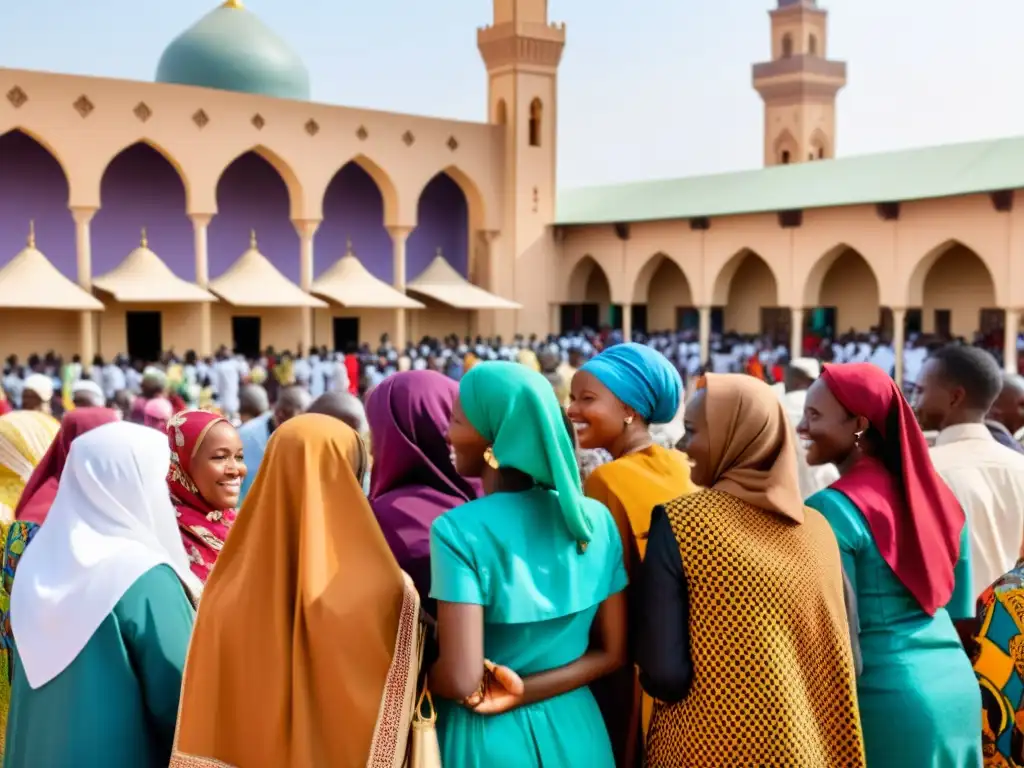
(988, 480)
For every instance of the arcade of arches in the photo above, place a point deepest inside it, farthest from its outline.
(951, 294)
(142, 191)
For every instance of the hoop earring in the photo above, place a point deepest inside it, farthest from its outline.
(489, 458)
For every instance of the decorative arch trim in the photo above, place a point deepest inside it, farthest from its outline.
(284, 170)
(919, 273)
(474, 198)
(579, 277)
(38, 139)
(820, 269)
(722, 281)
(385, 185)
(642, 282)
(165, 154)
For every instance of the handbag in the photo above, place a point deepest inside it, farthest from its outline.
(425, 750)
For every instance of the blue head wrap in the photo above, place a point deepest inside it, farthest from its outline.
(640, 377)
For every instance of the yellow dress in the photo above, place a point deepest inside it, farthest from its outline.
(631, 487)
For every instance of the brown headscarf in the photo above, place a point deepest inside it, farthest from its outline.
(297, 629)
(752, 444)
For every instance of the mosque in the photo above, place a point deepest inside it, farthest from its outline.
(219, 205)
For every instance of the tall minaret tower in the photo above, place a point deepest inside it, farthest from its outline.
(799, 86)
(522, 51)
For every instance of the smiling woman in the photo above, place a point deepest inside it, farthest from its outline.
(207, 469)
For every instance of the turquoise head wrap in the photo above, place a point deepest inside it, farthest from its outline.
(515, 409)
(640, 377)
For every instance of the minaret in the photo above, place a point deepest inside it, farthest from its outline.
(522, 51)
(799, 86)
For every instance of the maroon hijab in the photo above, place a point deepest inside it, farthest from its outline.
(413, 480)
(915, 519)
(41, 488)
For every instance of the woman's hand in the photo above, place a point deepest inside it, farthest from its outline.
(502, 690)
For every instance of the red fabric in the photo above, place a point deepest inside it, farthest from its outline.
(5, 406)
(203, 528)
(352, 368)
(914, 518)
(41, 488)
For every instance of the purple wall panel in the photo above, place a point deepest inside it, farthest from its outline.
(443, 217)
(32, 186)
(354, 208)
(252, 195)
(141, 189)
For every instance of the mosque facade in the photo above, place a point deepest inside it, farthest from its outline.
(220, 206)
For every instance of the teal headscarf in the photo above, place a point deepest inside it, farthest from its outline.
(642, 378)
(515, 409)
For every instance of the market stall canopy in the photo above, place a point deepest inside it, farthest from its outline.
(441, 282)
(30, 281)
(350, 284)
(143, 278)
(253, 281)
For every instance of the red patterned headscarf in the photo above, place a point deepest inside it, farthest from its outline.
(914, 518)
(203, 528)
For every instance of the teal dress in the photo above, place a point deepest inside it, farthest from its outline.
(116, 704)
(919, 701)
(511, 553)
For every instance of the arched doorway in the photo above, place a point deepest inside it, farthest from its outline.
(957, 293)
(33, 187)
(353, 213)
(747, 290)
(590, 298)
(253, 196)
(662, 300)
(141, 189)
(442, 229)
(841, 294)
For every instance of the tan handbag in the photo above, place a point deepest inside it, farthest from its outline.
(425, 751)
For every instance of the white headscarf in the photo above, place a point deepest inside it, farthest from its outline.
(111, 521)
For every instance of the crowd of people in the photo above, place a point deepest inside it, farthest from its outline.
(509, 556)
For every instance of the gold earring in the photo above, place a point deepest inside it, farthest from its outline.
(628, 420)
(489, 458)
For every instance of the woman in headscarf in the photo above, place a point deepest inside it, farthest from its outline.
(305, 620)
(157, 412)
(24, 438)
(413, 481)
(205, 480)
(100, 613)
(903, 538)
(615, 398)
(529, 576)
(743, 638)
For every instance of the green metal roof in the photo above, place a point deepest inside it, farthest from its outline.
(916, 174)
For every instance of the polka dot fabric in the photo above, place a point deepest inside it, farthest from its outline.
(774, 680)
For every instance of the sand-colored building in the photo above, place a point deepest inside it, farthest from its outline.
(271, 220)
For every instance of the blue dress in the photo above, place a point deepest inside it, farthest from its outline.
(920, 705)
(511, 553)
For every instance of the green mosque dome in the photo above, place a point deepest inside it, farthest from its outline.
(232, 50)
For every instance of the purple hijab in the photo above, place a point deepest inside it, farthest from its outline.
(413, 481)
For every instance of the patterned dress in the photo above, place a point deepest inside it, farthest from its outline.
(998, 657)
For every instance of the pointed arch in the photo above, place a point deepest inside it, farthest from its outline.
(662, 285)
(355, 209)
(951, 247)
(142, 188)
(163, 152)
(536, 122)
(785, 148)
(843, 280)
(38, 139)
(284, 170)
(588, 283)
(819, 145)
(34, 186)
(385, 184)
(745, 285)
(445, 216)
(953, 286)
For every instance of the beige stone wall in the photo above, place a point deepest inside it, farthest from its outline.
(957, 254)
